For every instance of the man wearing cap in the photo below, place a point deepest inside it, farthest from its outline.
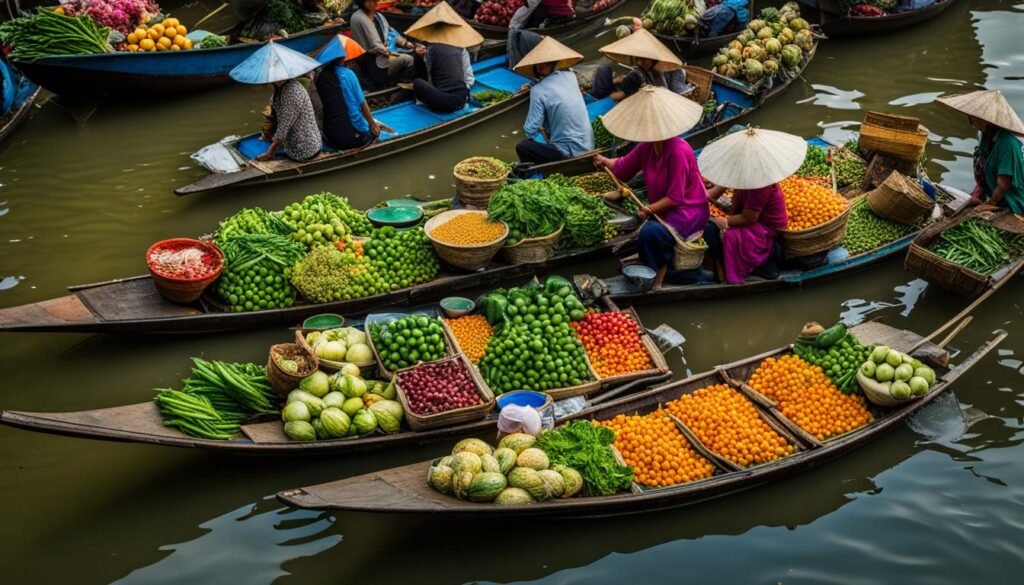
(557, 110)
(371, 30)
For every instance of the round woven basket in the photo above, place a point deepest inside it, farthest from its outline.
(184, 291)
(475, 193)
(688, 255)
(878, 394)
(282, 381)
(820, 238)
(900, 200)
(472, 257)
(532, 250)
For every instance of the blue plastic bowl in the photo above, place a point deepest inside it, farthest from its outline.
(523, 398)
(640, 276)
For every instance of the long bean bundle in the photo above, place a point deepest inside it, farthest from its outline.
(978, 246)
(194, 415)
(48, 34)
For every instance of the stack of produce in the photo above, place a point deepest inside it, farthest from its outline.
(167, 35)
(258, 270)
(482, 167)
(251, 221)
(657, 451)
(902, 375)
(978, 245)
(338, 407)
(587, 447)
(328, 274)
(850, 168)
(805, 395)
(212, 41)
(671, 17)
(602, 137)
(595, 183)
(538, 207)
(342, 344)
(729, 425)
(769, 45)
(716, 211)
(402, 259)
(47, 33)
(866, 231)
(324, 218)
(275, 16)
(216, 398)
(497, 12)
(407, 341)
(836, 351)
(472, 333)
(123, 16)
(183, 261)
(516, 473)
(489, 97)
(613, 343)
(433, 388)
(809, 203)
(468, 229)
(535, 347)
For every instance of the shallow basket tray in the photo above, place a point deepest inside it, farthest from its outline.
(900, 137)
(899, 200)
(420, 422)
(332, 365)
(657, 358)
(877, 394)
(532, 250)
(820, 238)
(284, 382)
(475, 193)
(386, 374)
(474, 257)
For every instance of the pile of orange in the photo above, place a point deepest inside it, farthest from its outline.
(809, 203)
(613, 343)
(167, 35)
(805, 395)
(716, 211)
(473, 333)
(469, 229)
(729, 425)
(658, 453)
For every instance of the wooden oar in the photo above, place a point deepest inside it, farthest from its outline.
(210, 15)
(629, 192)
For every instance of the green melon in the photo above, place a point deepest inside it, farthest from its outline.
(554, 481)
(460, 484)
(440, 478)
(486, 486)
(533, 458)
(528, 479)
(466, 462)
(489, 464)
(506, 459)
(473, 446)
(514, 497)
(573, 480)
(518, 442)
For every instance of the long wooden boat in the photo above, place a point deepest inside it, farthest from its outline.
(142, 423)
(112, 75)
(415, 125)
(404, 489)
(570, 32)
(836, 22)
(691, 46)
(133, 305)
(16, 100)
(735, 100)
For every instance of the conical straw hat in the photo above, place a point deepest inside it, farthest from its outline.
(548, 50)
(988, 105)
(443, 25)
(340, 46)
(642, 45)
(651, 114)
(273, 62)
(752, 158)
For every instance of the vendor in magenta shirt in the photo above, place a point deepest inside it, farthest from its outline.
(745, 240)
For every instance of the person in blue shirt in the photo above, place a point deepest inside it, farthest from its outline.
(557, 111)
(347, 120)
(727, 16)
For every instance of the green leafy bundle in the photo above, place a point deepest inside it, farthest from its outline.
(48, 34)
(528, 209)
(587, 448)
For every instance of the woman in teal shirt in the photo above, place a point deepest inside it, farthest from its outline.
(999, 158)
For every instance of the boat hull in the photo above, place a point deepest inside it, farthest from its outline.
(836, 23)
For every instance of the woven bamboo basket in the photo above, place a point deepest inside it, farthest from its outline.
(182, 291)
(475, 193)
(387, 374)
(532, 250)
(878, 394)
(701, 79)
(282, 381)
(897, 136)
(900, 200)
(688, 255)
(472, 257)
(923, 263)
(820, 238)
(422, 422)
(331, 365)
(657, 358)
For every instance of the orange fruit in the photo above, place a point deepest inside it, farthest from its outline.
(179, 41)
(133, 39)
(155, 34)
(147, 44)
(181, 29)
(164, 42)
(175, 48)
(132, 47)
(188, 44)
(170, 22)
(170, 32)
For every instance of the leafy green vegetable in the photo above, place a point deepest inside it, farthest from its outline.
(587, 448)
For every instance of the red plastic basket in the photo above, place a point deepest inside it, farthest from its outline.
(181, 290)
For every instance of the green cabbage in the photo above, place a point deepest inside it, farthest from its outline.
(318, 384)
(365, 422)
(335, 422)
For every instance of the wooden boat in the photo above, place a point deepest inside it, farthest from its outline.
(110, 75)
(691, 46)
(735, 100)
(142, 423)
(133, 305)
(836, 22)
(16, 100)
(567, 33)
(415, 126)
(404, 489)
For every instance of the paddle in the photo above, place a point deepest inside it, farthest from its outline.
(210, 15)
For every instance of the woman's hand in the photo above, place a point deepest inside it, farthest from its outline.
(644, 212)
(374, 128)
(265, 156)
(602, 162)
(721, 222)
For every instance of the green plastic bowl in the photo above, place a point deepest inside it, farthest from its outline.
(323, 321)
(395, 216)
(454, 307)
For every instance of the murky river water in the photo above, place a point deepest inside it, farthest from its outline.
(83, 193)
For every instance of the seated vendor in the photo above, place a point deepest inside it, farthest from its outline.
(347, 121)
(444, 74)
(653, 64)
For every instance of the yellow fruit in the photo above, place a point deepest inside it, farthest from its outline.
(159, 28)
(154, 34)
(147, 44)
(132, 47)
(132, 38)
(160, 48)
(141, 33)
(170, 22)
(164, 42)
(179, 41)
(188, 44)
(170, 32)
(175, 48)
(181, 29)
